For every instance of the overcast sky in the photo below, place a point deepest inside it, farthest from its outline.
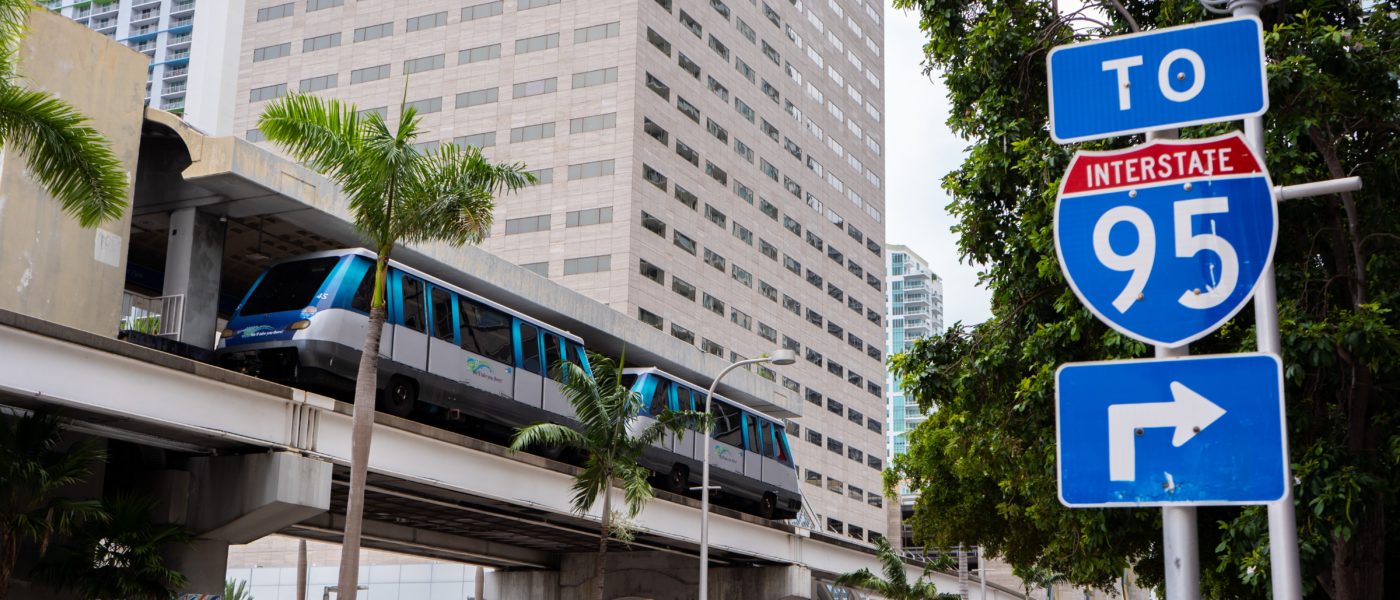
(919, 151)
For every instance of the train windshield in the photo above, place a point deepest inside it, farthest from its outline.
(289, 286)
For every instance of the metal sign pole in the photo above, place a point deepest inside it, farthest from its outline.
(1285, 571)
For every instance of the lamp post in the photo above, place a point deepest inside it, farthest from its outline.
(779, 357)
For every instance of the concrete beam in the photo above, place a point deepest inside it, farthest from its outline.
(399, 538)
(649, 575)
(239, 499)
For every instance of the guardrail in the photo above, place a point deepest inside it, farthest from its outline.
(161, 316)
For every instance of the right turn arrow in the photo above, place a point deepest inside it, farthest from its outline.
(1189, 413)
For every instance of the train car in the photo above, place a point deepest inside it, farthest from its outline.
(749, 454)
(444, 349)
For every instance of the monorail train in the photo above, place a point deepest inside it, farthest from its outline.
(448, 351)
(749, 455)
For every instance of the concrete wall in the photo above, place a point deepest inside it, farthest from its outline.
(50, 267)
(648, 575)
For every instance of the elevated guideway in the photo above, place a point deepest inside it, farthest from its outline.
(432, 492)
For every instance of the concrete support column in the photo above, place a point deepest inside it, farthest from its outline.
(194, 253)
(204, 563)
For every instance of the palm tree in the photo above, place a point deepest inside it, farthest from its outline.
(606, 410)
(33, 468)
(398, 194)
(119, 557)
(895, 585)
(70, 159)
(236, 589)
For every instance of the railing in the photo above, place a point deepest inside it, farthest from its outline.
(162, 316)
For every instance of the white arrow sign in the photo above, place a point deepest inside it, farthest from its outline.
(1189, 413)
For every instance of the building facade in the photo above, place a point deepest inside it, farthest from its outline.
(713, 169)
(915, 310)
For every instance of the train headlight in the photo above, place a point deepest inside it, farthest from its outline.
(226, 333)
(301, 324)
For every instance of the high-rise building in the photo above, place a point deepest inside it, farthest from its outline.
(712, 168)
(915, 310)
(189, 75)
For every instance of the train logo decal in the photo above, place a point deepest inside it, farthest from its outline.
(257, 331)
(482, 369)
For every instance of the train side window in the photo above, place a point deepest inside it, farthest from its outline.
(552, 355)
(442, 314)
(365, 293)
(412, 303)
(629, 382)
(574, 353)
(484, 330)
(728, 424)
(755, 440)
(780, 447)
(660, 399)
(530, 348)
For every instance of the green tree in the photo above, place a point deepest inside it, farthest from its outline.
(236, 590)
(34, 467)
(982, 462)
(397, 194)
(895, 584)
(69, 159)
(607, 410)
(121, 557)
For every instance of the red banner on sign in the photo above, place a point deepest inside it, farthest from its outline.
(1160, 161)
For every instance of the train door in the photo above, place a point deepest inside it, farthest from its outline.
(444, 354)
(753, 448)
(529, 372)
(554, 400)
(410, 345)
(775, 473)
(685, 446)
(726, 447)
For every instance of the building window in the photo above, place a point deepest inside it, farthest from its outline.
(873, 425)
(714, 260)
(276, 12)
(426, 63)
(767, 291)
(683, 288)
(527, 224)
(598, 77)
(715, 216)
(426, 22)
(717, 130)
(814, 357)
(792, 304)
(682, 334)
(320, 42)
(874, 462)
(768, 249)
(715, 305)
(254, 135)
(687, 153)
(482, 11)
(584, 35)
(653, 224)
(532, 132)
(374, 32)
(855, 454)
(588, 264)
(813, 477)
(719, 48)
(654, 273)
(744, 69)
(659, 42)
(648, 317)
(537, 43)
(875, 500)
(368, 74)
(710, 347)
(718, 88)
(685, 197)
(742, 233)
(535, 88)
(814, 437)
(479, 54)
(538, 268)
(655, 131)
(687, 65)
(426, 105)
(657, 86)
(542, 176)
(744, 110)
(592, 216)
(740, 318)
(271, 52)
(715, 172)
(480, 140)
(838, 487)
(683, 242)
(833, 405)
(316, 84)
(814, 396)
(690, 23)
(593, 123)
(745, 152)
(477, 97)
(588, 170)
(267, 92)
(767, 332)
(529, 4)
(792, 264)
(687, 109)
(314, 5)
(653, 176)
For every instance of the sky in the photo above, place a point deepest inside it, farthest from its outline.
(919, 151)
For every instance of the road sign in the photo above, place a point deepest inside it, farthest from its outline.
(1204, 430)
(1189, 75)
(1166, 241)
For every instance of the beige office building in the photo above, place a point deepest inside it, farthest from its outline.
(713, 168)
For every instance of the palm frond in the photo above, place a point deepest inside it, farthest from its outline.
(891, 564)
(14, 19)
(590, 483)
(449, 198)
(862, 579)
(323, 133)
(70, 159)
(636, 490)
(547, 434)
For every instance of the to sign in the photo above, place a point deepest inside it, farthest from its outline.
(1175, 431)
(1166, 241)
(1188, 75)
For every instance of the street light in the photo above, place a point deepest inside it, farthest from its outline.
(779, 357)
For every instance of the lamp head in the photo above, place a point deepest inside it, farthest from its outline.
(783, 356)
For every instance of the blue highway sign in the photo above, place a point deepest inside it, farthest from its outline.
(1165, 242)
(1204, 430)
(1189, 75)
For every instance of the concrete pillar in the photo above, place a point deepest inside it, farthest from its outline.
(649, 575)
(194, 253)
(204, 563)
